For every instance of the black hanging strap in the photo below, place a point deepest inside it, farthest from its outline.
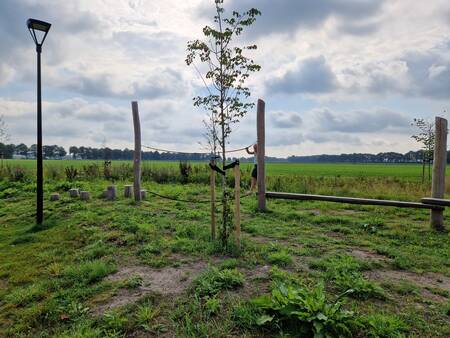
(216, 168)
(231, 165)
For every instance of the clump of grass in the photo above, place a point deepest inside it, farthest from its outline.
(22, 239)
(280, 258)
(114, 322)
(229, 263)
(88, 272)
(345, 273)
(95, 251)
(403, 287)
(25, 295)
(245, 315)
(214, 280)
(145, 314)
(383, 325)
(133, 282)
(212, 306)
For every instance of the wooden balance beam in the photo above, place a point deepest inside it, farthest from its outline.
(354, 200)
(436, 201)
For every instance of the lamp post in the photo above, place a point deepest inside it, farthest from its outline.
(39, 30)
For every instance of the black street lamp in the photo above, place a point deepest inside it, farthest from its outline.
(39, 30)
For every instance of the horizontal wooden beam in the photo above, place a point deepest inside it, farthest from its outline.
(436, 201)
(350, 200)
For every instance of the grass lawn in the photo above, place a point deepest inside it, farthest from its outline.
(114, 268)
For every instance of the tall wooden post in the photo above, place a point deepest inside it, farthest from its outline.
(261, 167)
(137, 152)
(213, 202)
(237, 205)
(439, 164)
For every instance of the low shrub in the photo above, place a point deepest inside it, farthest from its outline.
(305, 311)
(71, 173)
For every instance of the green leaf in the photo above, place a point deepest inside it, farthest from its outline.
(264, 319)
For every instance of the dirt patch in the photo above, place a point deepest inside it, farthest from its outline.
(336, 235)
(3, 284)
(164, 281)
(269, 240)
(368, 255)
(347, 212)
(256, 282)
(430, 280)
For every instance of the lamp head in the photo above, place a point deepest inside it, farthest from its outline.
(39, 27)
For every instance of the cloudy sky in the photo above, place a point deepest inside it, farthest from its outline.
(337, 75)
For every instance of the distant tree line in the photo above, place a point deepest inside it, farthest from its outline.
(89, 153)
(389, 157)
(23, 151)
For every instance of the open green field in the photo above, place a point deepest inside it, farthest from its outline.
(402, 171)
(103, 268)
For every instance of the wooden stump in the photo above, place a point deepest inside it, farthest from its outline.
(84, 195)
(55, 197)
(128, 192)
(143, 194)
(111, 192)
(74, 192)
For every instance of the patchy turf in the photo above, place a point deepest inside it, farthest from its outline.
(103, 268)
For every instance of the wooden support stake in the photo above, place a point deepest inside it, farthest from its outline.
(237, 201)
(439, 164)
(128, 191)
(261, 168)
(213, 203)
(137, 152)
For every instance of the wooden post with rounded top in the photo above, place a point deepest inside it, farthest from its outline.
(137, 152)
(213, 202)
(439, 164)
(261, 168)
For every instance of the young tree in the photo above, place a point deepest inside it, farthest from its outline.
(426, 138)
(227, 70)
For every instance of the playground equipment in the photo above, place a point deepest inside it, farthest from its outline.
(436, 203)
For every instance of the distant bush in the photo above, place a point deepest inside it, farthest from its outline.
(71, 173)
(91, 171)
(15, 173)
(185, 171)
